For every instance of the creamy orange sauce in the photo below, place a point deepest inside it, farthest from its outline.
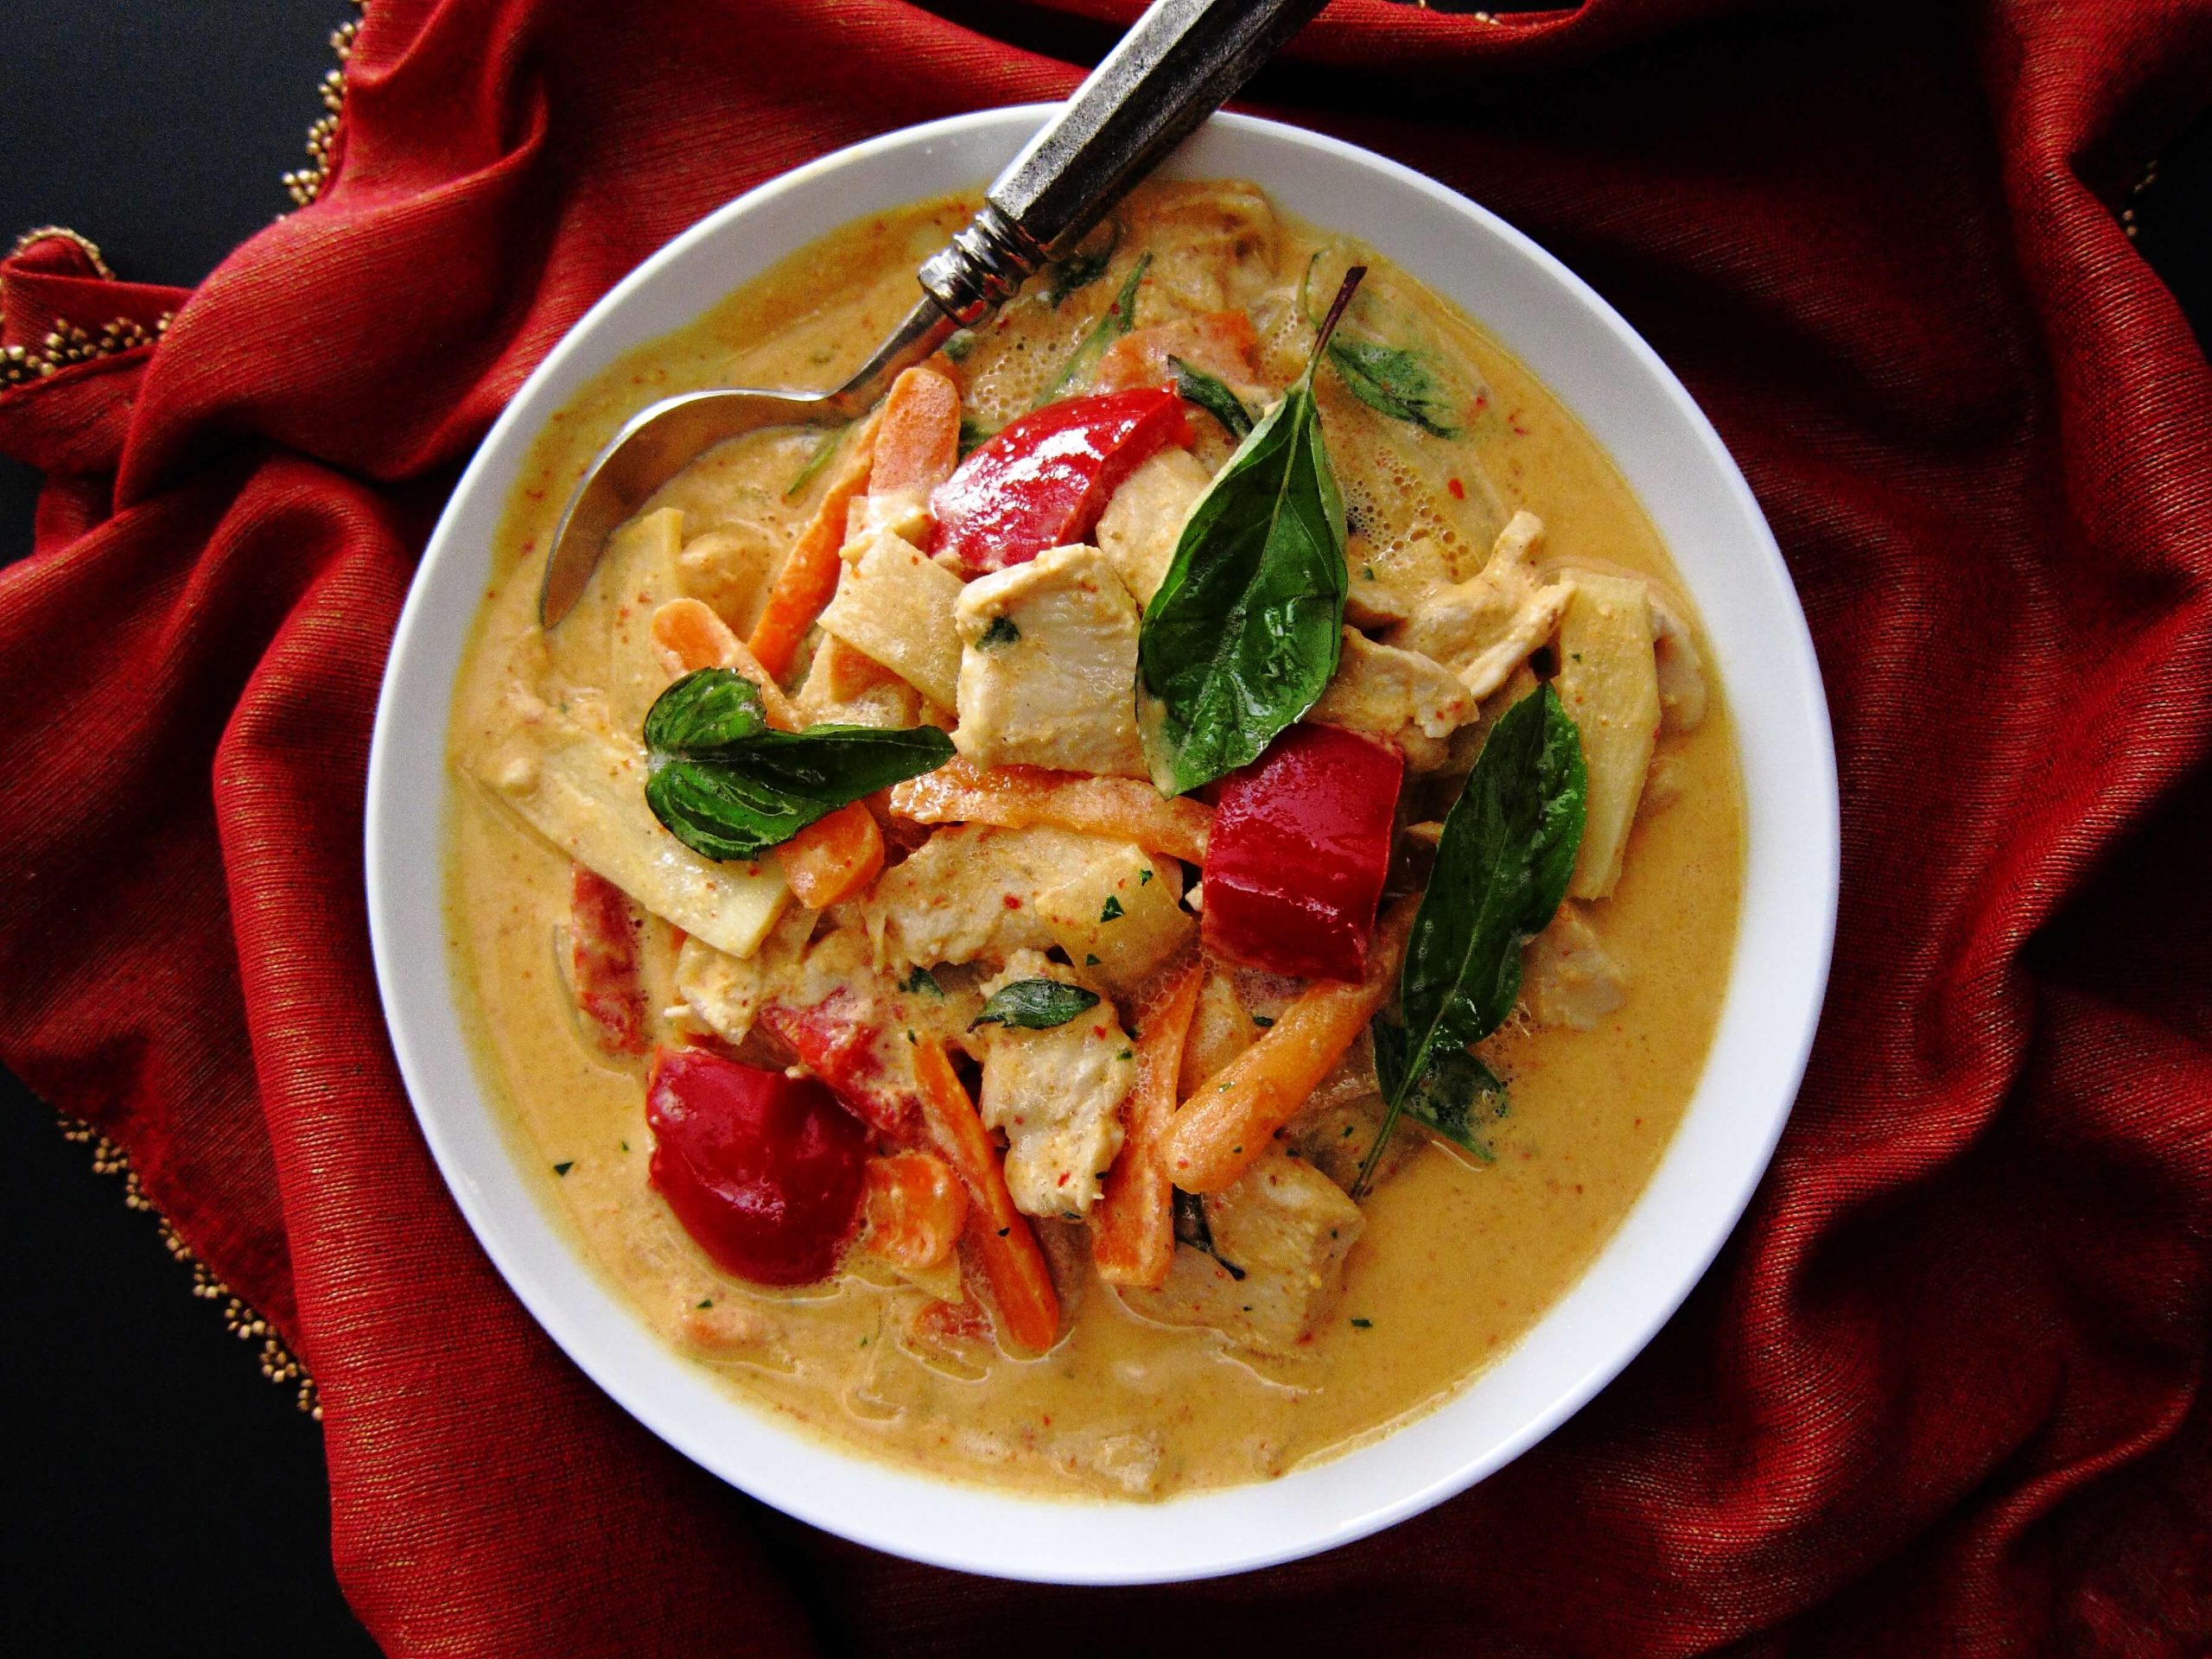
(1459, 1260)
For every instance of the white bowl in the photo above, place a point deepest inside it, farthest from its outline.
(1597, 365)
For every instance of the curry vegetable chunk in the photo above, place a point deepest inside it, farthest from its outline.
(1094, 1193)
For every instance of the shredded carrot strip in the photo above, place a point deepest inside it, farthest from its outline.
(918, 443)
(915, 1207)
(1225, 1126)
(1014, 797)
(1013, 1264)
(1133, 1229)
(834, 857)
(690, 636)
(808, 578)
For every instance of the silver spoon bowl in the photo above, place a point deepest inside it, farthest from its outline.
(1178, 64)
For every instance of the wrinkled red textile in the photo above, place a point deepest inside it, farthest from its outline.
(1941, 1392)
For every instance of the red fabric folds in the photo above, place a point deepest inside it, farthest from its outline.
(1943, 1391)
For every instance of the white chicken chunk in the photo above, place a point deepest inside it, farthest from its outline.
(1214, 241)
(1416, 703)
(1144, 520)
(724, 994)
(970, 894)
(1048, 659)
(1484, 627)
(1568, 977)
(1057, 1095)
(1279, 1236)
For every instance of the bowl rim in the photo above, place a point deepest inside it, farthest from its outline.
(1018, 1535)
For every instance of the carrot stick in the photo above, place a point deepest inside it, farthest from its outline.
(809, 577)
(1226, 1125)
(915, 1207)
(1004, 1244)
(834, 857)
(1133, 1229)
(690, 636)
(1014, 797)
(918, 443)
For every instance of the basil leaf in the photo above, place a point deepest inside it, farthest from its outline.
(1242, 637)
(972, 435)
(727, 786)
(1034, 1005)
(1501, 868)
(1086, 264)
(1212, 395)
(1457, 1095)
(1395, 382)
(1120, 318)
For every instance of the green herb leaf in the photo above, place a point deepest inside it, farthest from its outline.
(921, 980)
(815, 462)
(1243, 635)
(1362, 1324)
(1393, 381)
(728, 787)
(1034, 1005)
(999, 634)
(1111, 909)
(1120, 318)
(1501, 868)
(1212, 395)
(1086, 264)
(564, 1168)
(1455, 1096)
(957, 347)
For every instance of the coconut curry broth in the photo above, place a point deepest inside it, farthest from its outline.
(1459, 1258)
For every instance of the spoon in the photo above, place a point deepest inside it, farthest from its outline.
(1178, 63)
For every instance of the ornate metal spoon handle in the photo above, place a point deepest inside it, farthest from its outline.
(1178, 63)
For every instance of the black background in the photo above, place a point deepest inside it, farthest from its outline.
(160, 1496)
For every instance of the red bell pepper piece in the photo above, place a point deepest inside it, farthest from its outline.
(603, 968)
(1300, 844)
(846, 1040)
(763, 1170)
(1044, 479)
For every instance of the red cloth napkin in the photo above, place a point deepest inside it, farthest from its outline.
(1941, 1392)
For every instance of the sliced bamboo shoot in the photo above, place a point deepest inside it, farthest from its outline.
(1609, 682)
(585, 792)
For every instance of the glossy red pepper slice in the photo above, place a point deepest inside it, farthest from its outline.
(844, 1039)
(763, 1170)
(1300, 846)
(1044, 479)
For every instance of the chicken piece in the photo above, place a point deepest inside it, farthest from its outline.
(1280, 1236)
(724, 994)
(969, 894)
(1213, 242)
(1568, 977)
(1682, 670)
(846, 687)
(1144, 519)
(1057, 1094)
(1048, 659)
(1119, 916)
(730, 568)
(1484, 628)
(1336, 1125)
(1398, 694)
(894, 605)
(1390, 580)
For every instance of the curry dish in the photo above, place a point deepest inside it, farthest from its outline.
(1131, 919)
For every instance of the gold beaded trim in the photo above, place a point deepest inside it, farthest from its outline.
(66, 345)
(278, 1364)
(85, 244)
(2149, 176)
(305, 185)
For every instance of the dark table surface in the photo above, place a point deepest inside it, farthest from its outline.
(163, 1496)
